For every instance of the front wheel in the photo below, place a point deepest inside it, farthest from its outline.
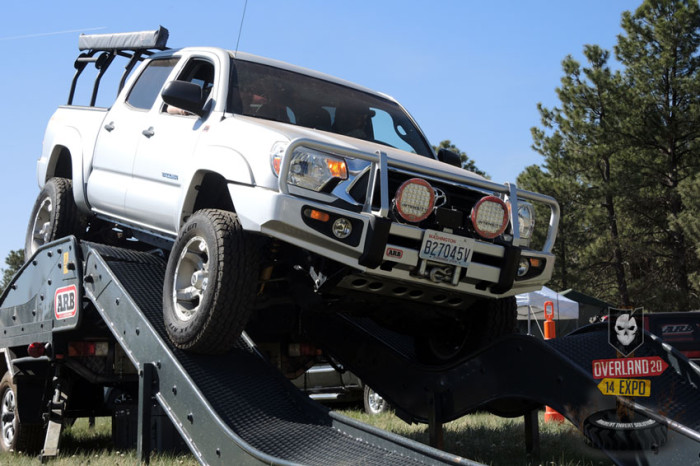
(210, 282)
(54, 216)
(16, 436)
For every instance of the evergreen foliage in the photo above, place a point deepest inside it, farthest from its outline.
(14, 260)
(467, 163)
(621, 155)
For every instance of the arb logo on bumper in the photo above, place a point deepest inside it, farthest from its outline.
(65, 302)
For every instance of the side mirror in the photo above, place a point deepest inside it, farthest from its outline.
(184, 95)
(447, 156)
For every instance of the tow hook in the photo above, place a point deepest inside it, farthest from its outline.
(440, 274)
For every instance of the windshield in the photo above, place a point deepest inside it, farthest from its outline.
(275, 94)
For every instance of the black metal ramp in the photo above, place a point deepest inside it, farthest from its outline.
(234, 408)
(517, 373)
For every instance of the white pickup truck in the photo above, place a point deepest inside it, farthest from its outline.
(272, 188)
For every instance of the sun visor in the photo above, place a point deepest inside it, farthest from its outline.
(125, 40)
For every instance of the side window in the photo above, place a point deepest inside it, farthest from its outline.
(197, 71)
(150, 82)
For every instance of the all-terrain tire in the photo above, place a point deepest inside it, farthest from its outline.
(16, 436)
(605, 430)
(54, 216)
(210, 282)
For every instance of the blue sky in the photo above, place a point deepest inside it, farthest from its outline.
(469, 71)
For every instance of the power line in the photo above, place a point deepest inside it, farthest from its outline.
(42, 34)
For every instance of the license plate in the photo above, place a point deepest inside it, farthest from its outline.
(446, 248)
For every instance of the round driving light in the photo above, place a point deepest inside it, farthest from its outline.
(415, 200)
(342, 228)
(490, 217)
(523, 267)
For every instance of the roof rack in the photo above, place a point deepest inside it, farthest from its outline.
(103, 48)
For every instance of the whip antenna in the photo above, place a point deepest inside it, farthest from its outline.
(240, 28)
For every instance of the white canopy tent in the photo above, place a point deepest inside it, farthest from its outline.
(531, 309)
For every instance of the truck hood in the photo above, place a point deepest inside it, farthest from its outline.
(289, 132)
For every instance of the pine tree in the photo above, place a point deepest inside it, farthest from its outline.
(582, 156)
(467, 163)
(659, 51)
(628, 141)
(14, 260)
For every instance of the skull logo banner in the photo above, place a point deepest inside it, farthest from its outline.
(625, 329)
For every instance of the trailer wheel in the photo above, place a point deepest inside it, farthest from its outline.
(54, 216)
(445, 340)
(374, 403)
(210, 282)
(16, 436)
(454, 338)
(605, 430)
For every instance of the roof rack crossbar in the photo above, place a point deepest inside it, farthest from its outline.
(80, 64)
(103, 61)
(135, 58)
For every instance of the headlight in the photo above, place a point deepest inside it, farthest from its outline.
(314, 170)
(526, 220)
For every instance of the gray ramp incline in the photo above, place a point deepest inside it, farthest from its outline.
(273, 420)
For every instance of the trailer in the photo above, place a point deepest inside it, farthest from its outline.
(82, 335)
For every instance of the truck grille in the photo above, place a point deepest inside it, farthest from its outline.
(456, 198)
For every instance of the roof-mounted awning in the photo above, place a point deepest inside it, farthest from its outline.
(125, 40)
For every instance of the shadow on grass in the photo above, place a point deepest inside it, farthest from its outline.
(80, 437)
(497, 441)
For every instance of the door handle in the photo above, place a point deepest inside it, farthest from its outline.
(109, 126)
(148, 132)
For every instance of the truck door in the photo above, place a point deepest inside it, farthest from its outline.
(163, 158)
(119, 137)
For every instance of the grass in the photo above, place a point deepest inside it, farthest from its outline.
(496, 441)
(480, 437)
(82, 445)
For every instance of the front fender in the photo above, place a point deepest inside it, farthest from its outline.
(227, 162)
(220, 160)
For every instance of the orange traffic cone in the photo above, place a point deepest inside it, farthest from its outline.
(550, 415)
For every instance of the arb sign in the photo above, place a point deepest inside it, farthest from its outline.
(65, 302)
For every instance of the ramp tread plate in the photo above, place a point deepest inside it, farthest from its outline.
(250, 396)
